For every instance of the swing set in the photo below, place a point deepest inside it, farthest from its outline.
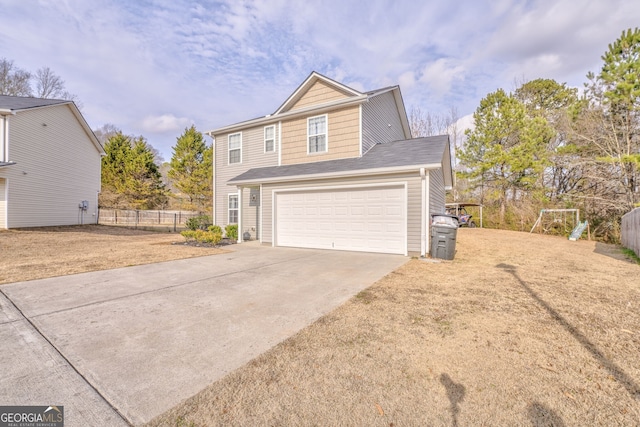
(561, 221)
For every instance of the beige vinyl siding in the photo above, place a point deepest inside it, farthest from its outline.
(3, 203)
(436, 191)
(57, 166)
(414, 197)
(377, 114)
(319, 93)
(343, 137)
(253, 156)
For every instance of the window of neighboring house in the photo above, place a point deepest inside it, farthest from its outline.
(317, 134)
(269, 139)
(235, 148)
(233, 209)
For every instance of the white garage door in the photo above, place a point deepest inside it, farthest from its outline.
(371, 219)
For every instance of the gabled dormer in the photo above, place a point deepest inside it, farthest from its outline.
(318, 90)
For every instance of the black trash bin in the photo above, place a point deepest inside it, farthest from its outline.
(444, 229)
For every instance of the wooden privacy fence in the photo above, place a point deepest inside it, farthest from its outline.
(139, 218)
(631, 230)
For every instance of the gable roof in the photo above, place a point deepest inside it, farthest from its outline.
(15, 104)
(307, 84)
(397, 156)
(283, 111)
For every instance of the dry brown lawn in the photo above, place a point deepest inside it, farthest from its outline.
(37, 253)
(518, 330)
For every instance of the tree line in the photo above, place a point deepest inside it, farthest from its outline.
(133, 178)
(546, 145)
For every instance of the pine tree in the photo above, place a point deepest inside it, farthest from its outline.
(192, 168)
(130, 178)
(506, 151)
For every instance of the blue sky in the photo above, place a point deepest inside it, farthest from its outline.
(154, 67)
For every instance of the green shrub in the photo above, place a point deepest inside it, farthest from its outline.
(188, 234)
(215, 228)
(210, 237)
(200, 222)
(231, 231)
(201, 236)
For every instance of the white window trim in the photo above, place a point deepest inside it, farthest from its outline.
(326, 134)
(229, 196)
(273, 139)
(229, 148)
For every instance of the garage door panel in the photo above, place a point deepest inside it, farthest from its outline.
(359, 219)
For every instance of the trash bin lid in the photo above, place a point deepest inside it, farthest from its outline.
(444, 219)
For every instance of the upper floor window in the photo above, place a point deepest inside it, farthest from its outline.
(235, 148)
(269, 139)
(317, 134)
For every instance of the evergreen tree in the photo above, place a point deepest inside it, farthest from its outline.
(505, 152)
(554, 102)
(192, 169)
(130, 178)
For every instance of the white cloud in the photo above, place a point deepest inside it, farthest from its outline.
(213, 63)
(165, 123)
(440, 74)
(465, 122)
(407, 80)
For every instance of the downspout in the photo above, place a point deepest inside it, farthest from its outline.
(97, 210)
(260, 225)
(3, 148)
(239, 214)
(213, 188)
(423, 219)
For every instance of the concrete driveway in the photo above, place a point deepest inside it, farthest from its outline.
(121, 346)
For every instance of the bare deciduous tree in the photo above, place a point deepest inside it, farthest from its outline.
(48, 84)
(14, 81)
(426, 124)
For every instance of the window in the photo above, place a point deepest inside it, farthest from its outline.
(269, 139)
(317, 134)
(233, 209)
(235, 148)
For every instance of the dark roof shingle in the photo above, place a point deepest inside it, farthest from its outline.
(16, 103)
(418, 152)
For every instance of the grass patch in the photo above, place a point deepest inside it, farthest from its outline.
(631, 255)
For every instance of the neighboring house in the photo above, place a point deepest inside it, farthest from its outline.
(49, 164)
(332, 168)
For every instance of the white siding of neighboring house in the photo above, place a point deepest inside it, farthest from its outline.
(57, 166)
(377, 114)
(414, 210)
(436, 192)
(253, 156)
(3, 203)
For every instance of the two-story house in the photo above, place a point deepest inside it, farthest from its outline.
(49, 164)
(332, 168)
